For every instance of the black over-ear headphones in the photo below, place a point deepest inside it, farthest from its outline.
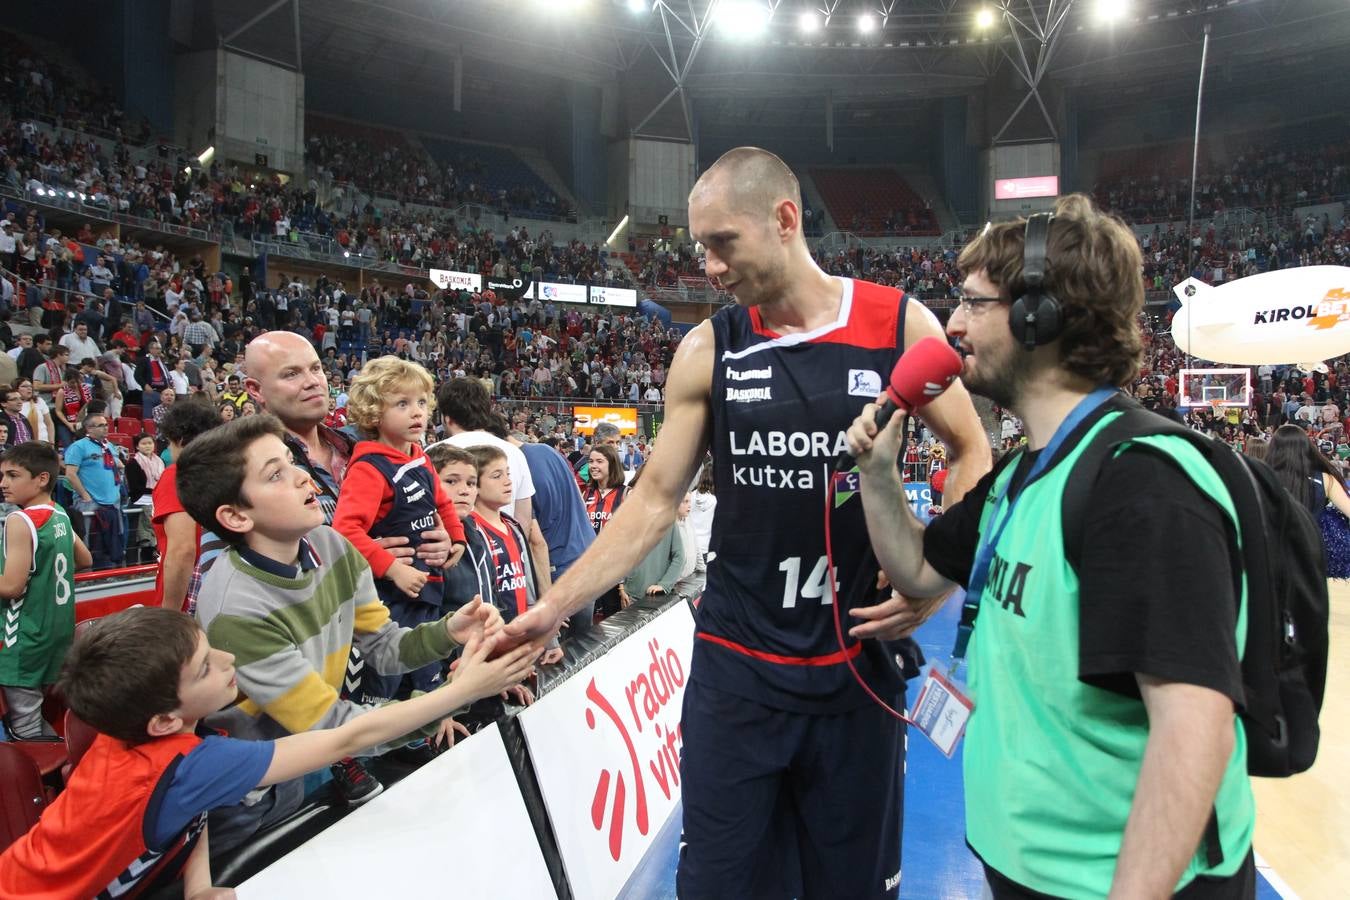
(1035, 316)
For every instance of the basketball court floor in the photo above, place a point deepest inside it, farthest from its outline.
(1303, 823)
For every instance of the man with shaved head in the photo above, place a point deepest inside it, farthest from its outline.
(791, 773)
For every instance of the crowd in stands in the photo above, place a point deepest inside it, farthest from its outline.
(35, 86)
(1260, 177)
(378, 162)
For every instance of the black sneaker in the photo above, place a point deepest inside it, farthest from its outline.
(354, 784)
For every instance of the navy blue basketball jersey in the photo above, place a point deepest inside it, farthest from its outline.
(780, 408)
(513, 587)
(413, 512)
(601, 509)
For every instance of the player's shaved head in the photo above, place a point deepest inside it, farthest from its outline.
(750, 181)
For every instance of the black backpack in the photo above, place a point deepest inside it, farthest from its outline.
(1284, 665)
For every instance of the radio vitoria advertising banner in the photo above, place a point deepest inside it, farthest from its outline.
(447, 280)
(606, 749)
(585, 418)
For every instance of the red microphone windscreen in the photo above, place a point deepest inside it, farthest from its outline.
(923, 372)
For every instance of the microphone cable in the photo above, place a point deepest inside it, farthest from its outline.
(834, 593)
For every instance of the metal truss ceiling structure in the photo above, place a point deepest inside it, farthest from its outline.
(675, 62)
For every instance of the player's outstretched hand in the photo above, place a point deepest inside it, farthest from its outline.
(875, 452)
(483, 677)
(539, 622)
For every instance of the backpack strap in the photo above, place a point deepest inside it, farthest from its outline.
(1134, 421)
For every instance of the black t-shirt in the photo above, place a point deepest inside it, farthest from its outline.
(1155, 580)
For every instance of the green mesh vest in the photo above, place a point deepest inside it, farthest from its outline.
(1050, 762)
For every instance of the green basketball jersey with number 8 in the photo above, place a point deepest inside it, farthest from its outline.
(39, 625)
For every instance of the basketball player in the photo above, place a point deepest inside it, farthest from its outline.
(791, 774)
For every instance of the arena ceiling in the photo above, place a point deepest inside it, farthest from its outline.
(736, 64)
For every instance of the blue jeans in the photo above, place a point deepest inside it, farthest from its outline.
(107, 535)
(231, 826)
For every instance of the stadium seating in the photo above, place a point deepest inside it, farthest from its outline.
(24, 797)
(874, 201)
(498, 170)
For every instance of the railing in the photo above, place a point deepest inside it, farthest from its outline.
(72, 201)
(473, 209)
(124, 297)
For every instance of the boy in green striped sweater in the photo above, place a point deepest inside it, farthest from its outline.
(288, 599)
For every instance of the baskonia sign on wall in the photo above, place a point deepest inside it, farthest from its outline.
(447, 280)
(585, 418)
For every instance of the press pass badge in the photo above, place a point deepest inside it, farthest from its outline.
(942, 711)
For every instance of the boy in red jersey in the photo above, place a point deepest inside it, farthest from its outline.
(134, 813)
(515, 584)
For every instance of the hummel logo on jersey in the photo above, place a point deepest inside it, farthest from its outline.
(863, 383)
(413, 491)
(749, 374)
(749, 395)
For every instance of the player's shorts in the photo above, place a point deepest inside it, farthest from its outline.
(783, 804)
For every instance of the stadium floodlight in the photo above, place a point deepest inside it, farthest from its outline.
(623, 223)
(984, 19)
(1110, 11)
(809, 21)
(70, 195)
(867, 23)
(204, 158)
(743, 19)
(637, 6)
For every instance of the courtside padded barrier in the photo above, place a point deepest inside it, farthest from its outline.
(322, 809)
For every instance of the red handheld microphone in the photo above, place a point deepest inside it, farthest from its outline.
(923, 372)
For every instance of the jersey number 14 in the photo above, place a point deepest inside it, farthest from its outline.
(817, 586)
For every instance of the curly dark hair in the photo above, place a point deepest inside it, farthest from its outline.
(1093, 267)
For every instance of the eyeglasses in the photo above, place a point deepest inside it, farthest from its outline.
(95, 425)
(970, 304)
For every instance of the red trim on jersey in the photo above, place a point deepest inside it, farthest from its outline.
(829, 659)
(38, 515)
(873, 319)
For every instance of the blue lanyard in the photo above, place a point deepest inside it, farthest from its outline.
(984, 554)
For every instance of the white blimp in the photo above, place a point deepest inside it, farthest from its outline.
(1286, 317)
